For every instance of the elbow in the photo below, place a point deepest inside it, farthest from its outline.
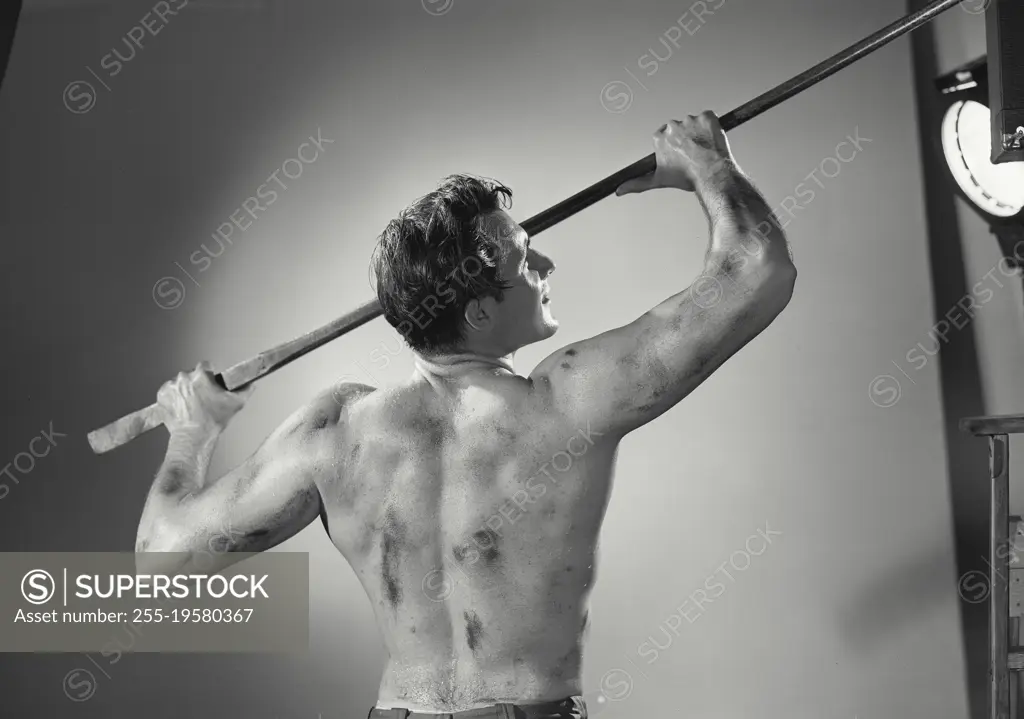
(163, 542)
(159, 548)
(773, 285)
(169, 559)
(785, 281)
(767, 281)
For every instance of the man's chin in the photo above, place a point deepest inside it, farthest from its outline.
(546, 330)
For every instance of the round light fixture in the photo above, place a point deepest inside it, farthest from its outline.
(996, 190)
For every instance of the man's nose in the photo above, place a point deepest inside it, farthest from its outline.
(543, 264)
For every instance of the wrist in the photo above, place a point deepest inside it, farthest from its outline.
(189, 442)
(716, 176)
(195, 429)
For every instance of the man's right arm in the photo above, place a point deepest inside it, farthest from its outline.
(264, 501)
(624, 378)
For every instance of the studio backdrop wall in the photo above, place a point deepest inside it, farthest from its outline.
(114, 284)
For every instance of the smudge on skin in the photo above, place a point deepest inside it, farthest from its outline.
(461, 553)
(701, 363)
(321, 420)
(728, 265)
(508, 435)
(174, 480)
(678, 318)
(487, 540)
(392, 540)
(567, 359)
(474, 630)
(660, 377)
(259, 538)
(567, 663)
(743, 320)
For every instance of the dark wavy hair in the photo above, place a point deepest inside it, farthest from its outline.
(435, 257)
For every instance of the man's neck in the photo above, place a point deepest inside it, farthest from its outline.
(455, 365)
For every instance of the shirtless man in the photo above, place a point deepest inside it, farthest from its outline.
(468, 499)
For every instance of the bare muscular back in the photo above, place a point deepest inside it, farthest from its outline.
(470, 514)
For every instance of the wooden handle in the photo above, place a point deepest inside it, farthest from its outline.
(237, 376)
(125, 429)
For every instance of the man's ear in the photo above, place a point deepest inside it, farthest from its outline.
(479, 313)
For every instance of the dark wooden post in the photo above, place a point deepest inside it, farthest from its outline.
(997, 429)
